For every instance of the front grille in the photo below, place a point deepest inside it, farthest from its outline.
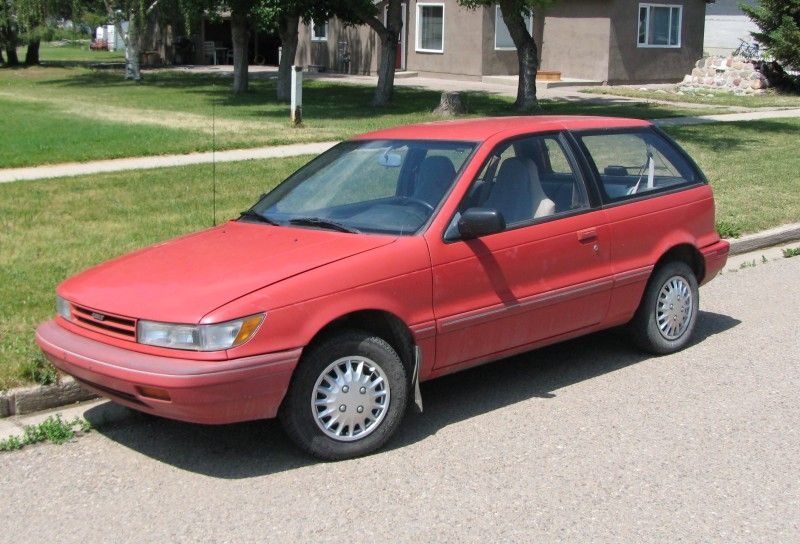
(112, 325)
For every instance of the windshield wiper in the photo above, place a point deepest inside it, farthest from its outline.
(254, 215)
(323, 223)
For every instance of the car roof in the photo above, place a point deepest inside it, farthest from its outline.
(480, 129)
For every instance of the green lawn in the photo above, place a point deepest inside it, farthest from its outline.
(771, 99)
(43, 132)
(51, 229)
(754, 168)
(73, 52)
(192, 112)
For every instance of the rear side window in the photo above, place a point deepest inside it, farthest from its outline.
(631, 164)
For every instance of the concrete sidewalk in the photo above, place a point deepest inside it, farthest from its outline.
(727, 117)
(162, 161)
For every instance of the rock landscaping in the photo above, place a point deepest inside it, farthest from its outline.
(736, 75)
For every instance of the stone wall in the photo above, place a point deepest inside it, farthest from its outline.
(726, 74)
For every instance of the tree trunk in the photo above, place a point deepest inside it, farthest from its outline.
(32, 55)
(9, 35)
(1, 57)
(132, 49)
(450, 104)
(389, 36)
(527, 55)
(11, 53)
(240, 35)
(287, 31)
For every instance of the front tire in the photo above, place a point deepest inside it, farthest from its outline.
(666, 317)
(347, 397)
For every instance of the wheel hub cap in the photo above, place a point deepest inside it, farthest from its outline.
(350, 398)
(674, 308)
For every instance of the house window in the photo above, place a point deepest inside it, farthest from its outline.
(660, 25)
(430, 28)
(502, 37)
(319, 31)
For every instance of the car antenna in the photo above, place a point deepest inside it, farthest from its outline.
(213, 152)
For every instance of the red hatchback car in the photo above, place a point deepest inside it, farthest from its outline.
(396, 257)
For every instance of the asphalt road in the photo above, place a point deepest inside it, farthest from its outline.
(586, 441)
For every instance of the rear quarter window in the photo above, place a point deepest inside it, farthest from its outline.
(631, 164)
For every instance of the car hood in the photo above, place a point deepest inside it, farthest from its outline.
(183, 279)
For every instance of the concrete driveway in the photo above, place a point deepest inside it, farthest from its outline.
(586, 441)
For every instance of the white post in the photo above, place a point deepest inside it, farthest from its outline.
(296, 112)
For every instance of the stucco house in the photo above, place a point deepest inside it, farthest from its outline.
(615, 41)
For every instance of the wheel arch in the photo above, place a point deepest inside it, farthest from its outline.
(686, 253)
(381, 323)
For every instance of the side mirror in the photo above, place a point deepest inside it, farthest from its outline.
(476, 222)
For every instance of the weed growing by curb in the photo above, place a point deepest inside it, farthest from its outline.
(39, 371)
(54, 429)
(728, 229)
(791, 252)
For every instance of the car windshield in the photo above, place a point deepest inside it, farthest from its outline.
(374, 186)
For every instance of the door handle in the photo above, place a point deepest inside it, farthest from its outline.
(587, 236)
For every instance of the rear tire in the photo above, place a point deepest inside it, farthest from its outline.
(666, 317)
(347, 397)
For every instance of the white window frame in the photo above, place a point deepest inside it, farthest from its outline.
(314, 37)
(649, 7)
(498, 16)
(418, 35)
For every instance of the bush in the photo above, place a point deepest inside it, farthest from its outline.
(779, 21)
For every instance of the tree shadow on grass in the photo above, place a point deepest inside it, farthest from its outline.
(732, 136)
(258, 448)
(334, 100)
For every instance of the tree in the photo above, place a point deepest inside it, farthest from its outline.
(8, 32)
(136, 13)
(779, 22)
(31, 15)
(389, 36)
(514, 14)
(241, 13)
(285, 17)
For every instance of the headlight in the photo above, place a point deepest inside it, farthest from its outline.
(63, 308)
(215, 337)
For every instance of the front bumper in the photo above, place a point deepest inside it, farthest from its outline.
(714, 256)
(210, 392)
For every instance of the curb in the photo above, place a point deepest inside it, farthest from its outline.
(767, 238)
(26, 400)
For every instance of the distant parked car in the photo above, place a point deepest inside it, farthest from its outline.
(99, 45)
(396, 257)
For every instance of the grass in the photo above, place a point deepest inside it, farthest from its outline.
(54, 429)
(179, 112)
(771, 99)
(35, 133)
(52, 229)
(73, 52)
(790, 252)
(753, 167)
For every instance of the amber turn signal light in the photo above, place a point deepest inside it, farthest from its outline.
(153, 393)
